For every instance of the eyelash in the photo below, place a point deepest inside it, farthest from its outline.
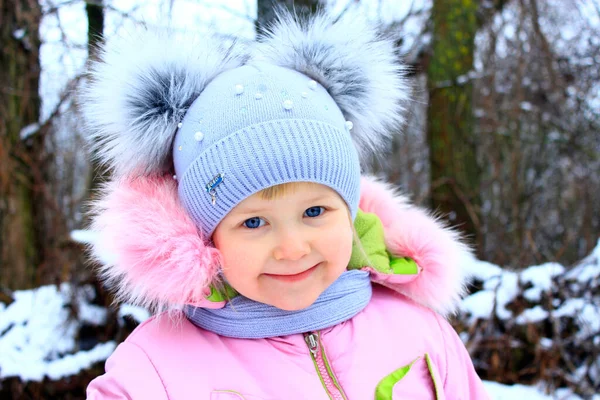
(323, 209)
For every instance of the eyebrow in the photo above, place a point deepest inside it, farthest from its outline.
(254, 210)
(320, 197)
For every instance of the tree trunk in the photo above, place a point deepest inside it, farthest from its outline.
(20, 253)
(95, 15)
(455, 175)
(266, 9)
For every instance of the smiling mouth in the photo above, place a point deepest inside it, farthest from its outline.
(295, 277)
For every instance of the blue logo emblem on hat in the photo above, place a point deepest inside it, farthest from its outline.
(212, 186)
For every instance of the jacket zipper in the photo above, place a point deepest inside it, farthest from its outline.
(331, 385)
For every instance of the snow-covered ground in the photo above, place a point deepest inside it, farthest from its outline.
(501, 286)
(38, 336)
(499, 391)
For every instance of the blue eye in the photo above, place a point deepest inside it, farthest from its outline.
(254, 222)
(314, 212)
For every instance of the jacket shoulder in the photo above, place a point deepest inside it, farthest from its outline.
(165, 337)
(130, 374)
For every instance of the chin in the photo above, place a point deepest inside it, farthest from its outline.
(294, 304)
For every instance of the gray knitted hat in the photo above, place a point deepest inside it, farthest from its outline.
(235, 121)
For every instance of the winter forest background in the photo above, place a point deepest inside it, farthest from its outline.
(502, 140)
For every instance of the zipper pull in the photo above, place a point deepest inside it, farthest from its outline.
(313, 344)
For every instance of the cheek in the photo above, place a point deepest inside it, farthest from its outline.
(242, 260)
(236, 268)
(230, 253)
(337, 244)
(235, 256)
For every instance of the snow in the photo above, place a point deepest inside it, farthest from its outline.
(588, 269)
(532, 315)
(506, 291)
(541, 276)
(498, 391)
(29, 130)
(586, 313)
(546, 343)
(19, 33)
(482, 270)
(73, 363)
(479, 305)
(479, 113)
(92, 314)
(462, 79)
(501, 287)
(137, 313)
(570, 307)
(83, 236)
(88, 237)
(533, 294)
(526, 106)
(38, 334)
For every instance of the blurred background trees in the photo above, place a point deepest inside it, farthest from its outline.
(502, 138)
(512, 134)
(455, 178)
(21, 211)
(538, 126)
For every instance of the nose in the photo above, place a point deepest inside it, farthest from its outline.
(291, 246)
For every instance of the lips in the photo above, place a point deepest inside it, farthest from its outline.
(294, 277)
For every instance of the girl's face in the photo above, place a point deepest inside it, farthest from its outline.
(286, 251)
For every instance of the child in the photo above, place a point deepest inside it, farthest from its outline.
(237, 207)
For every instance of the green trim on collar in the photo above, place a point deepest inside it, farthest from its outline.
(369, 230)
(403, 266)
(223, 294)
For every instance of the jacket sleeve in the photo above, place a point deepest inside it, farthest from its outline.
(130, 374)
(461, 381)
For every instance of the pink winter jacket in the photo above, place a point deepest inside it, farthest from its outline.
(399, 347)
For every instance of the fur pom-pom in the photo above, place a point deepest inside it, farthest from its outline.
(359, 68)
(150, 252)
(139, 90)
(412, 232)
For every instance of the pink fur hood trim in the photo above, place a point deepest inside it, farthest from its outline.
(149, 251)
(413, 232)
(151, 254)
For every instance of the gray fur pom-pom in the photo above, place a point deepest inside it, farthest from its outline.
(359, 68)
(139, 90)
